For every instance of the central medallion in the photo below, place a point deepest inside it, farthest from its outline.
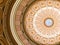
(45, 18)
(49, 22)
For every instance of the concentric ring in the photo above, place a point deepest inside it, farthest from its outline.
(36, 22)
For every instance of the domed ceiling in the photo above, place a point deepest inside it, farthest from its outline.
(33, 22)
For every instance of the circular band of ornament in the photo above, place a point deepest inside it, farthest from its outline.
(12, 16)
(40, 22)
(16, 21)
